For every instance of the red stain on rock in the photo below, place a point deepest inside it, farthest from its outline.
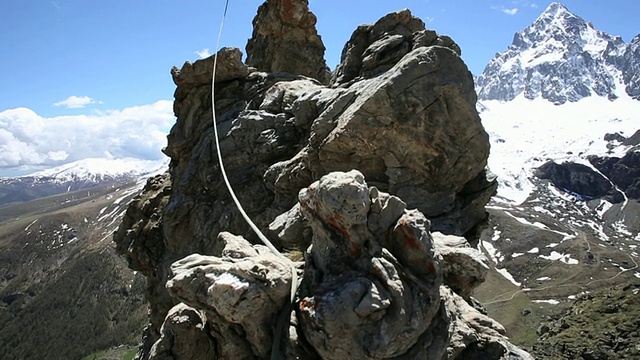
(336, 222)
(431, 268)
(409, 239)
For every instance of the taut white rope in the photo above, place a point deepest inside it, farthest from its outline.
(275, 350)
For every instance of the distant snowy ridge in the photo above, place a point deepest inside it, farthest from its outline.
(562, 58)
(78, 175)
(101, 169)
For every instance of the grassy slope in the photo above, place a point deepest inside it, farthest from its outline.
(516, 310)
(62, 299)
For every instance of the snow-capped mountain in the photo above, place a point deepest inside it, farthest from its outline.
(561, 109)
(562, 58)
(101, 169)
(77, 175)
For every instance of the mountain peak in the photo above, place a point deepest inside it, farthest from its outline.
(556, 8)
(562, 58)
(557, 18)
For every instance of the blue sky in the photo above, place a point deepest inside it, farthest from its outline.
(95, 59)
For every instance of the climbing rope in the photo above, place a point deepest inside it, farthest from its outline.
(282, 320)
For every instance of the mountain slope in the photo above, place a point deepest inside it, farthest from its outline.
(562, 58)
(64, 293)
(82, 174)
(560, 106)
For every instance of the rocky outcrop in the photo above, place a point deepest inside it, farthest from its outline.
(576, 178)
(285, 40)
(631, 68)
(241, 289)
(140, 240)
(374, 49)
(372, 288)
(374, 282)
(623, 172)
(609, 178)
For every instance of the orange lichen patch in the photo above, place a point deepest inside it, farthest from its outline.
(304, 304)
(312, 195)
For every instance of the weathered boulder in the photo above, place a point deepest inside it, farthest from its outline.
(229, 67)
(241, 288)
(285, 40)
(364, 296)
(464, 268)
(183, 336)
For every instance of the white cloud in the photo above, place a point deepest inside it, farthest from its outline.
(525, 3)
(30, 141)
(203, 54)
(508, 11)
(76, 102)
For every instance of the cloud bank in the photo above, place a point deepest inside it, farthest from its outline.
(30, 142)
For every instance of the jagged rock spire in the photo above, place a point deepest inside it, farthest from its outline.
(285, 40)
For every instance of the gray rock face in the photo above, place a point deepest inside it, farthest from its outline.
(561, 57)
(240, 288)
(183, 336)
(631, 68)
(577, 178)
(373, 277)
(374, 49)
(285, 40)
(622, 172)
